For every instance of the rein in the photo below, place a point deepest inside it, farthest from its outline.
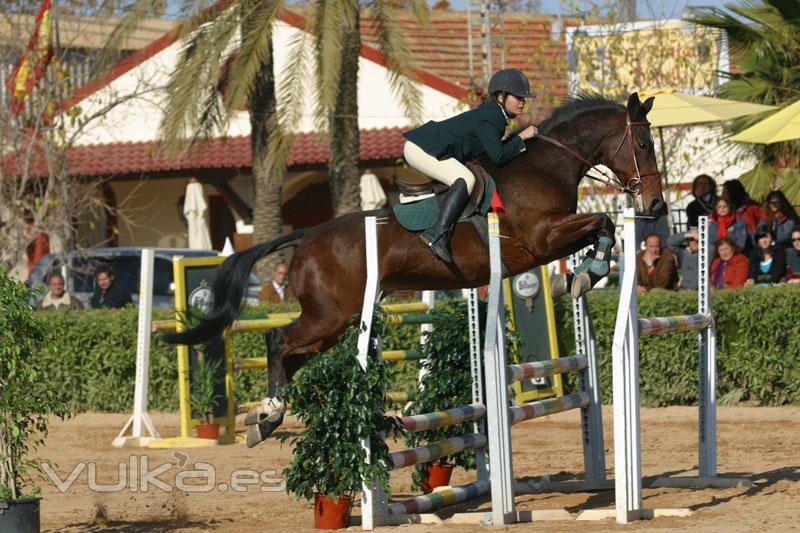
(631, 186)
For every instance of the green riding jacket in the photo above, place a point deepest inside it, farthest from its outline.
(469, 135)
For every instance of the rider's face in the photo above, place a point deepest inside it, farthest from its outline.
(513, 105)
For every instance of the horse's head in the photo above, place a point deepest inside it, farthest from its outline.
(631, 155)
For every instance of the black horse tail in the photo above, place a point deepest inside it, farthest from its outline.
(229, 290)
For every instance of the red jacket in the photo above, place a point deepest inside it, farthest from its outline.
(735, 273)
(752, 214)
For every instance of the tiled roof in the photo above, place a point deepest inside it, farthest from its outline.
(234, 152)
(443, 48)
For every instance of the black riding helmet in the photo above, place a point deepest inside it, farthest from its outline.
(512, 81)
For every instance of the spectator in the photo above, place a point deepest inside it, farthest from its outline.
(57, 299)
(781, 218)
(723, 223)
(767, 261)
(106, 293)
(651, 226)
(277, 290)
(793, 259)
(704, 189)
(656, 268)
(685, 248)
(743, 206)
(729, 270)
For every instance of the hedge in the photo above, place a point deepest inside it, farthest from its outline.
(758, 345)
(92, 359)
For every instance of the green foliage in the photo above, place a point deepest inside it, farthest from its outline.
(447, 382)
(26, 398)
(764, 39)
(203, 398)
(758, 345)
(340, 404)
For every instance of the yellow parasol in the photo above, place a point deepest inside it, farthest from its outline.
(781, 126)
(672, 108)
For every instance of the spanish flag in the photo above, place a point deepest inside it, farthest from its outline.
(33, 63)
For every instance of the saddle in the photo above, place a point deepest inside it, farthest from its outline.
(418, 208)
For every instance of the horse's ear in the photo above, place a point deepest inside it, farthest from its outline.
(647, 106)
(633, 104)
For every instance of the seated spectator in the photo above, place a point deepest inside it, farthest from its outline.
(704, 190)
(277, 290)
(656, 268)
(767, 261)
(57, 299)
(729, 270)
(793, 259)
(723, 223)
(107, 294)
(743, 207)
(781, 218)
(685, 248)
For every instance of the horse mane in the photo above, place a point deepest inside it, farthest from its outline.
(575, 106)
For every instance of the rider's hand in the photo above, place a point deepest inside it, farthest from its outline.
(529, 132)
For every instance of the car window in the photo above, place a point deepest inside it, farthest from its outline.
(82, 274)
(163, 277)
(126, 272)
(253, 280)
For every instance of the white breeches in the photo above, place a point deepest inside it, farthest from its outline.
(447, 171)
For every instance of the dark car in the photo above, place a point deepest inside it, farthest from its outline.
(126, 262)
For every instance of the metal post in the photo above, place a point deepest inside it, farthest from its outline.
(627, 424)
(594, 459)
(707, 365)
(373, 500)
(498, 427)
(477, 377)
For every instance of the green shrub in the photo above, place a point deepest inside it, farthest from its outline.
(26, 400)
(339, 404)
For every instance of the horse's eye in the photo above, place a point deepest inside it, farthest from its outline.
(642, 144)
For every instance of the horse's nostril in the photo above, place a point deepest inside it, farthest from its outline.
(657, 207)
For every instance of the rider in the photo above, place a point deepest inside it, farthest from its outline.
(439, 150)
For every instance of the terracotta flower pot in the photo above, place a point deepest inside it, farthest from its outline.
(331, 513)
(438, 476)
(208, 431)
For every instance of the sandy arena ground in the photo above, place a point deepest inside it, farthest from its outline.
(760, 443)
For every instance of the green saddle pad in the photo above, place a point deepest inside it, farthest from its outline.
(421, 215)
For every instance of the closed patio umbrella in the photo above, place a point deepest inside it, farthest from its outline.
(195, 209)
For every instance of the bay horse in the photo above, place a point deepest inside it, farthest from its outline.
(540, 192)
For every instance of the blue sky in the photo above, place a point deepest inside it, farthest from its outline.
(646, 8)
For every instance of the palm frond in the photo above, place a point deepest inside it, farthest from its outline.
(134, 14)
(257, 20)
(330, 18)
(290, 96)
(192, 88)
(395, 48)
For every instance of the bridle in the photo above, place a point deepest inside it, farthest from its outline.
(632, 185)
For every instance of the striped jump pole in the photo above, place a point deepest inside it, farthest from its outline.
(437, 450)
(528, 411)
(440, 498)
(441, 419)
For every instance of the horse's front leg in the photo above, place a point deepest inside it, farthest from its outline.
(564, 234)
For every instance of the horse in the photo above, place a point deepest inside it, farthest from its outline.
(540, 191)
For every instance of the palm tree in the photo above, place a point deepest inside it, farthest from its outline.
(336, 29)
(764, 40)
(219, 73)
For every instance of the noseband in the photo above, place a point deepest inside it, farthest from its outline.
(632, 185)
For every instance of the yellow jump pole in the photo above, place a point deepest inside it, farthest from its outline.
(182, 349)
(230, 423)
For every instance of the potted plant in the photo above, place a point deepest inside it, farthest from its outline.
(203, 398)
(447, 383)
(25, 405)
(339, 404)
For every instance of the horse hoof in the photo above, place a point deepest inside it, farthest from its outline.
(559, 285)
(258, 433)
(581, 285)
(269, 410)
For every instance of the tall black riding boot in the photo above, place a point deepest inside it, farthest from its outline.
(451, 204)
